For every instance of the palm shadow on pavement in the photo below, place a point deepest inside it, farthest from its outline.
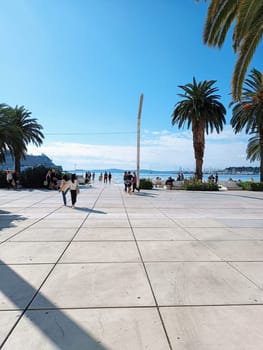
(52, 322)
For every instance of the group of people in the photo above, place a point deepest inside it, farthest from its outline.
(130, 182)
(71, 185)
(89, 176)
(213, 178)
(106, 177)
(64, 185)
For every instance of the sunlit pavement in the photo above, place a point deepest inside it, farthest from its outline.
(153, 270)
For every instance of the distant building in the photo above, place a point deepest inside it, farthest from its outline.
(29, 161)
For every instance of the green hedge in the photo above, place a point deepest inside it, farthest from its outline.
(251, 186)
(33, 177)
(201, 186)
(245, 185)
(256, 186)
(3, 183)
(146, 184)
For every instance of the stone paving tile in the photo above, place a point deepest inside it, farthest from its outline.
(106, 223)
(19, 283)
(252, 270)
(44, 234)
(161, 234)
(8, 232)
(147, 215)
(237, 250)
(175, 251)
(104, 234)
(200, 223)
(201, 283)
(95, 285)
(242, 222)
(7, 321)
(214, 328)
(218, 213)
(109, 251)
(147, 222)
(225, 234)
(46, 223)
(100, 329)
(31, 252)
(177, 240)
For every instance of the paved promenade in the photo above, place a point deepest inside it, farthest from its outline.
(155, 270)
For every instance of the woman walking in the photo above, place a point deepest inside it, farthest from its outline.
(74, 189)
(64, 187)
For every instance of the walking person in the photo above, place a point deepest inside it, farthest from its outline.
(125, 180)
(129, 182)
(9, 179)
(109, 177)
(105, 177)
(15, 180)
(74, 189)
(64, 188)
(134, 182)
(48, 179)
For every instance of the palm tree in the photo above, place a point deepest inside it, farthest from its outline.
(200, 109)
(30, 131)
(248, 114)
(9, 133)
(247, 16)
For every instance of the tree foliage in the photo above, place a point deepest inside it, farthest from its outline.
(17, 130)
(247, 115)
(246, 17)
(201, 110)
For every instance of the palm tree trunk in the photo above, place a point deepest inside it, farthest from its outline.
(199, 147)
(198, 169)
(17, 164)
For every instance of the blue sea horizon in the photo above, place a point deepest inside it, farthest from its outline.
(117, 175)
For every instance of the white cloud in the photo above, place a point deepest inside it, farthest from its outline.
(159, 150)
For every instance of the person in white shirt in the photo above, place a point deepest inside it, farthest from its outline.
(9, 179)
(74, 189)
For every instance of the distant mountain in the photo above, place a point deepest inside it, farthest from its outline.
(29, 161)
(229, 170)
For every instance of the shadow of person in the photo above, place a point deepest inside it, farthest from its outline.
(88, 210)
(145, 194)
(56, 325)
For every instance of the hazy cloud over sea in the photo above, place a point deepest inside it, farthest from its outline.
(159, 151)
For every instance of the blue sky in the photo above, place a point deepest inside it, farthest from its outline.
(80, 67)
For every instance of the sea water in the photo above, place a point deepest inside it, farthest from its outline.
(117, 177)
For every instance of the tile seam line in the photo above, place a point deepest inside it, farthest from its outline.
(27, 307)
(230, 263)
(146, 273)
(138, 307)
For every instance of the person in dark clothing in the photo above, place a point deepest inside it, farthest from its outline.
(74, 189)
(169, 182)
(134, 182)
(125, 180)
(129, 182)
